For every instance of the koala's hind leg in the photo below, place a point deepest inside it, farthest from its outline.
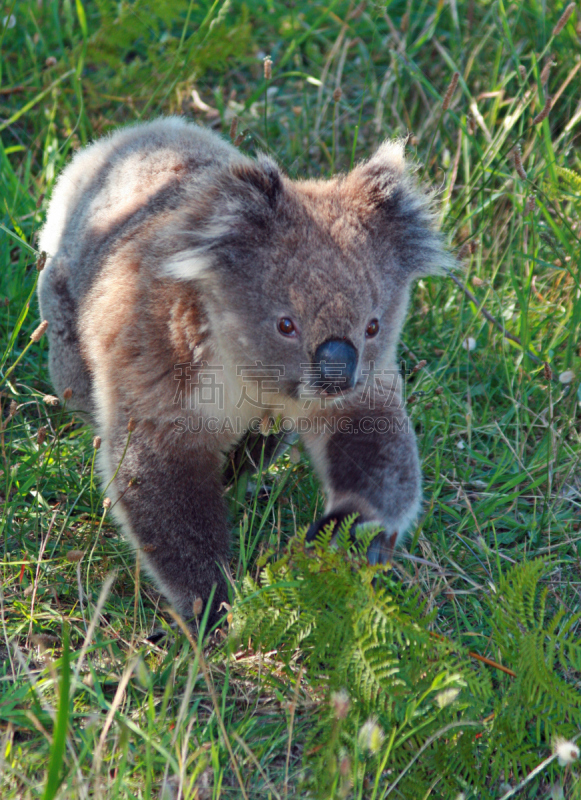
(67, 367)
(168, 499)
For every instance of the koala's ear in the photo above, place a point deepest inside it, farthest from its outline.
(261, 179)
(382, 173)
(234, 215)
(399, 214)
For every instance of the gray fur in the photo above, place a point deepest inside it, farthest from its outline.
(168, 247)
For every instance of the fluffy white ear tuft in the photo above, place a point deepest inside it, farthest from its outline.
(402, 214)
(189, 265)
(383, 172)
(389, 156)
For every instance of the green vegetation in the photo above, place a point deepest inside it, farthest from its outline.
(452, 674)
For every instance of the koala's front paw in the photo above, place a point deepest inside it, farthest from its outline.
(380, 551)
(335, 518)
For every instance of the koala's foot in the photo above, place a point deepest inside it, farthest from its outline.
(380, 551)
(334, 518)
(156, 636)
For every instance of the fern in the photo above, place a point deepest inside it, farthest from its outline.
(572, 177)
(541, 644)
(360, 631)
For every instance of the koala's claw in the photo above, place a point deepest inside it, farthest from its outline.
(156, 636)
(380, 551)
(334, 517)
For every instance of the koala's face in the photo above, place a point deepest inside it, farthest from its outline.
(310, 299)
(311, 279)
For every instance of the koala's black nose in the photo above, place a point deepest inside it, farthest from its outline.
(336, 363)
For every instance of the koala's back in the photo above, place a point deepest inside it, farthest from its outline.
(105, 199)
(111, 183)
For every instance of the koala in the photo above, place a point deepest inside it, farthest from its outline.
(191, 290)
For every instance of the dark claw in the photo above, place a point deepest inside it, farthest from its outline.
(336, 517)
(156, 637)
(380, 551)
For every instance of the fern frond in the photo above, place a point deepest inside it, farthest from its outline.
(572, 177)
(360, 631)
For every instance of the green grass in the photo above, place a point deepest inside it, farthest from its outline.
(113, 716)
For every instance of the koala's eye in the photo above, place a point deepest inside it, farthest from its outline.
(286, 326)
(372, 329)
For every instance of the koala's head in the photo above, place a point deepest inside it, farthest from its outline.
(311, 277)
